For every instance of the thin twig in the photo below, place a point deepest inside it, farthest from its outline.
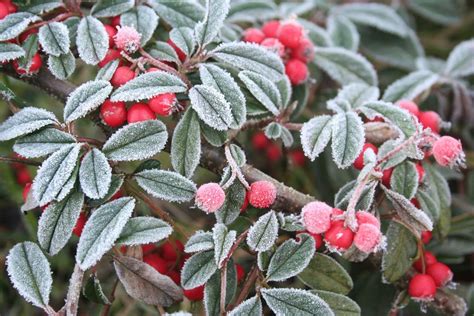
(19, 160)
(74, 291)
(249, 282)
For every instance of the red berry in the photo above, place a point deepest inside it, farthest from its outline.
(298, 158)
(148, 248)
(140, 112)
(386, 176)
(115, 21)
(210, 197)
(195, 294)
(421, 172)
(262, 194)
(364, 217)
(253, 35)
(114, 114)
(430, 119)
(410, 106)
(422, 287)
(163, 104)
(367, 238)
(111, 31)
(297, 71)
(122, 75)
(415, 202)
(26, 191)
(359, 162)
(429, 260)
(3, 10)
(270, 29)
(240, 272)
(244, 206)
(260, 141)
(339, 237)
(81, 222)
(316, 217)
(112, 54)
(158, 263)
(318, 240)
(175, 276)
(448, 152)
(23, 36)
(12, 8)
(171, 250)
(336, 212)
(179, 52)
(273, 152)
(36, 63)
(274, 45)
(290, 34)
(426, 236)
(304, 51)
(23, 176)
(440, 273)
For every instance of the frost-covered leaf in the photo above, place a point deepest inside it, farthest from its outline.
(57, 222)
(338, 105)
(401, 249)
(404, 179)
(69, 185)
(347, 138)
(110, 8)
(115, 185)
(286, 137)
(222, 81)
(223, 241)
(216, 12)
(212, 136)
(439, 190)
(179, 13)
(234, 200)
(315, 135)
(200, 241)
(93, 291)
(143, 19)
(251, 57)
(410, 86)
(102, 230)
(291, 258)
(460, 62)
(144, 230)
(285, 89)
(166, 185)
(40, 6)
(95, 174)
(212, 291)
(30, 273)
(318, 35)
(340, 304)
(25, 122)
(143, 283)
(54, 38)
(249, 307)
(250, 10)
(147, 86)
(238, 154)
(30, 47)
(343, 32)
(106, 72)
(86, 98)
(443, 12)
(198, 269)
(287, 301)
(42, 143)
(9, 51)
(358, 93)
(14, 24)
(92, 40)
(273, 130)
(263, 89)
(211, 107)
(345, 66)
(428, 204)
(136, 141)
(375, 15)
(183, 38)
(63, 66)
(72, 24)
(262, 235)
(433, 64)
(54, 173)
(163, 52)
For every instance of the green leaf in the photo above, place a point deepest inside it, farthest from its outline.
(249, 307)
(410, 86)
(341, 200)
(198, 269)
(400, 251)
(179, 13)
(262, 235)
(143, 19)
(404, 179)
(42, 143)
(57, 222)
(136, 141)
(441, 193)
(461, 60)
(325, 273)
(347, 138)
(315, 135)
(358, 93)
(250, 10)
(114, 187)
(25, 122)
(62, 67)
(212, 291)
(263, 89)
(95, 174)
(40, 6)
(14, 24)
(183, 38)
(343, 32)
(234, 199)
(30, 47)
(30, 273)
(92, 40)
(106, 73)
(443, 12)
(102, 230)
(295, 302)
(223, 242)
(163, 52)
(216, 12)
(211, 107)
(341, 305)
(72, 24)
(428, 204)
(144, 230)
(212, 136)
(200, 241)
(110, 8)
(10, 51)
(69, 185)
(93, 292)
(54, 38)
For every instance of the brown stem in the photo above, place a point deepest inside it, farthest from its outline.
(19, 160)
(74, 291)
(246, 288)
(105, 311)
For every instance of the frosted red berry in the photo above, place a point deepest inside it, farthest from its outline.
(426, 236)
(448, 152)
(195, 294)
(112, 54)
(113, 114)
(163, 104)
(210, 197)
(386, 176)
(270, 29)
(179, 52)
(127, 39)
(274, 45)
(158, 263)
(316, 217)
(122, 75)
(304, 51)
(35, 65)
(429, 260)
(338, 237)
(140, 112)
(440, 273)
(260, 141)
(290, 34)
(364, 217)
(81, 222)
(273, 152)
(422, 287)
(410, 106)
(359, 162)
(262, 194)
(367, 238)
(430, 119)
(253, 35)
(297, 71)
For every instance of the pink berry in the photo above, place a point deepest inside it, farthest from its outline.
(304, 51)
(316, 217)
(448, 152)
(422, 287)
(290, 34)
(297, 71)
(339, 237)
(163, 104)
(367, 238)
(364, 217)
(429, 259)
(111, 31)
(112, 54)
(430, 119)
(122, 75)
(139, 112)
(410, 106)
(262, 194)
(127, 39)
(274, 45)
(426, 236)
(253, 35)
(210, 197)
(114, 114)
(440, 273)
(270, 29)
(359, 162)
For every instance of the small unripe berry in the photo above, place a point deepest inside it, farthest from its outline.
(426, 236)
(111, 31)
(273, 152)
(429, 260)
(359, 162)
(297, 71)
(128, 39)
(121, 76)
(158, 263)
(262, 194)
(240, 272)
(179, 52)
(3, 10)
(298, 158)
(163, 104)
(26, 191)
(195, 294)
(367, 238)
(440, 273)
(290, 34)
(304, 51)
(112, 54)
(316, 217)
(35, 65)
(113, 114)
(253, 35)
(422, 287)
(430, 119)
(386, 176)
(260, 141)
(410, 106)
(210, 197)
(448, 152)
(79, 227)
(338, 237)
(270, 29)
(274, 45)
(364, 217)
(140, 112)
(421, 172)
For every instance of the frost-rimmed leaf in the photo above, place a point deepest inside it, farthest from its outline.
(115, 185)
(142, 282)
(460, 62)
(186, 144)
(273, 130)
(211, 107)
(212, 291)
(143, 19)
(343, 32)
(200, 241)
(250, 10)
(144, 230)
(222, 81)
(198, 269)
(223, 241)
(166, 185)
(136, 141)
(95, 174)
(57, 222)
(401, 249)
(345, 66)
(63, 66)
(404, 179)
(147, 86)
(251, 57)
(41, 6)
(110, 8)
(291, 258)
(163, 51)
(234, 200)
(286, 137)
(287, 301)
(249, 307)
(358, 93)
(179, 13)
(86, 98)
(102, 229)
(410, 86)
(106, 72)
(212, 136)
(30, 273)
(30, 46)
(9, 51)
(263, 233)
(439, 189)
(92, 40)
(69, 185)
(347, 138)
(54, 38)
(263, 89)
(54, 173)
(315, 135)
(443, 12)
(216, 12)
(42, 143)
(14, 24)
(26, 121)
(341, 200)
(72, 24)
(340, 304)
(93, 291)
(428, 204)
(183, 38)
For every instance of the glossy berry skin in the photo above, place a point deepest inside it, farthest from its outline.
(386, 176)
(316, 217)
(339, 237)
(270, 29)
(367, 238)
(111, 31)
(410, 106)
(179, 52)
(196, 294)
(112, 54)
(422, 287)
(430, 119)
(260, 141)
(171, 250)
(140, 112)
(210, 197)
(364, 217)
(359, 162)
(262, 194)
(122, 75)
(290, 34)
(297, 71)
(3, 10)
(113, 114)
(273, 152)
(26, 191)
(163, 104)
(253, 35)
(240, 272)
(35, 66)
(429, 260)
(426, 236)
(440, 273)
(158, 263)
(304, 51)
(274, 45)
(448, 152)
(81, 222)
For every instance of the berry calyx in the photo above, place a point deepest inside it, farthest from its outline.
(426, 236)
(359, 162)
(81, 222)
(440, 273)
(210, 197)
(270, 29)
(140, 112)
(262, 194)
(196, 294)
(274, 45)
(410, 106)
(35, 65)
(122, 75)
(448, 152)
(112, 54)
(297, 71)
(367, 238)
(253, 35)
(127, 39)
(338, 237)
(422, 287)
(429, 260)
(290, 34)
(113, 114)
(158, 263)
(316, 217)
(111, 31)
(163, 104)
(431, 120)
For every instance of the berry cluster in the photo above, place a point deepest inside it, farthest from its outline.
(289, 41)
(273, 152)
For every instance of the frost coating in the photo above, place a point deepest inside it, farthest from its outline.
(404, 179)
(410, 86)
(211, 107)
(216, 12)
(144, 230)
(315, 135)
(106, 72)
(143, 19)
(86, 98)
(249, 307)
(26, 121)
(15, 23)
(102, 229)
(183, 38)
(263, 89)
(358, 93)
(63, 66)
(200, 241)
(198, 269)
(263, 233)
(348, 138)
(460, 62)
(54, 38)
(95, 174)
(179, 13)
(104, 9)
(223, 241)
(10, 51)
(209, 197)
(92, 40)
(316, 217)
(295, 302)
